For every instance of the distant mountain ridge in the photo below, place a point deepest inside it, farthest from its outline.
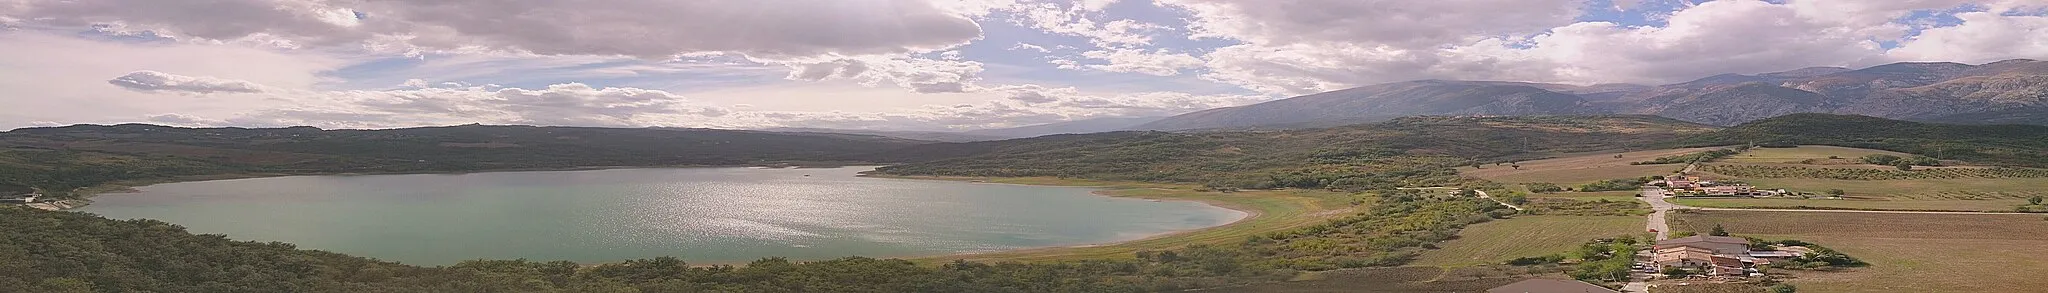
(2004, 92)
(1093, 125)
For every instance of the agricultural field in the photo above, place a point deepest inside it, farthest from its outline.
(1808, 169)
(1906, 252)
(1886, 173)
(1920, 194)
(1501, 240)
(1820, 155)
(1581, 169)
(2007, 205)
(1599, 195)
(1391, 280)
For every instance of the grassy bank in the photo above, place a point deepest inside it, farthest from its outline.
(1496, 242)
(1270, 211)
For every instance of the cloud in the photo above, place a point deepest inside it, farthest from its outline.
(1982, 37)
(576, 104)
(919, 75)
(184, 120)
(152, 81)
(646, 28)
(1158, 62)
(1306, 46)
(1027, 46)
(1075, 20)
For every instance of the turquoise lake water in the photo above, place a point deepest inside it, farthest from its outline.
(703, 215)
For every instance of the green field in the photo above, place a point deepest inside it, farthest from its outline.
(1390, 280)
(1803, 153)
(2005, 205)
(1273, 210)
(1919, 194)
(1927, 188)
(1607, 195)
(1906, 252)
(1581, 169)
(1501, 240)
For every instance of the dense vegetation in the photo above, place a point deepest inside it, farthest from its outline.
(1418, 151)
(1821, 258)
(1602, 260)
(1764, 171)
(63, 158)
(2008, 145)
(1617, 184)
(49, 251)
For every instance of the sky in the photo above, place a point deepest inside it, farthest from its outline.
(899, 64)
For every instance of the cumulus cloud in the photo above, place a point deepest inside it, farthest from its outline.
(647, 28)
(1157, 62)
(920, 75)
(1982, 37)
(1305, 46)
(152, 81)
(577, 104)
(184, 120)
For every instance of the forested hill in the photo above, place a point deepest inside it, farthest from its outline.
(1401, 152)
(2016, 145)
(59, 158)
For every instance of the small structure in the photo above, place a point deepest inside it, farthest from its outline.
(1682, 182)
(1712, 255)
(1729, 190)
(25, 198)
(1550, 286)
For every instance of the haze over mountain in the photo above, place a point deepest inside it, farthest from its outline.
(2011, 91)
(1095, 125)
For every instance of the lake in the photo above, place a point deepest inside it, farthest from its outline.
(703, 215)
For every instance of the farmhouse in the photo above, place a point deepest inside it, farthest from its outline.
(1729, 190)
(1682, 182)
(25, 198)
(1550, 286)
(1715, 255)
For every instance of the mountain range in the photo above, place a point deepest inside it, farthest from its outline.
(2004, 92)
(1095, 125)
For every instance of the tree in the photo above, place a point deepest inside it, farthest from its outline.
(1903, 165)
(1683, 234)
(1784, 288)
(1718, 231)
(1881, 159)
(1675, 272)
(2036, 200)
(1837, 192)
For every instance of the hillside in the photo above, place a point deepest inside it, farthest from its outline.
(1400, 152)
(2015, 145)
(938, 136)
(61, 158)
(1094, 125)
(2012, 91)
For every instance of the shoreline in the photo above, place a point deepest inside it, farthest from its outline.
(1257, 218)
(82, 196)
(1243, 213)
